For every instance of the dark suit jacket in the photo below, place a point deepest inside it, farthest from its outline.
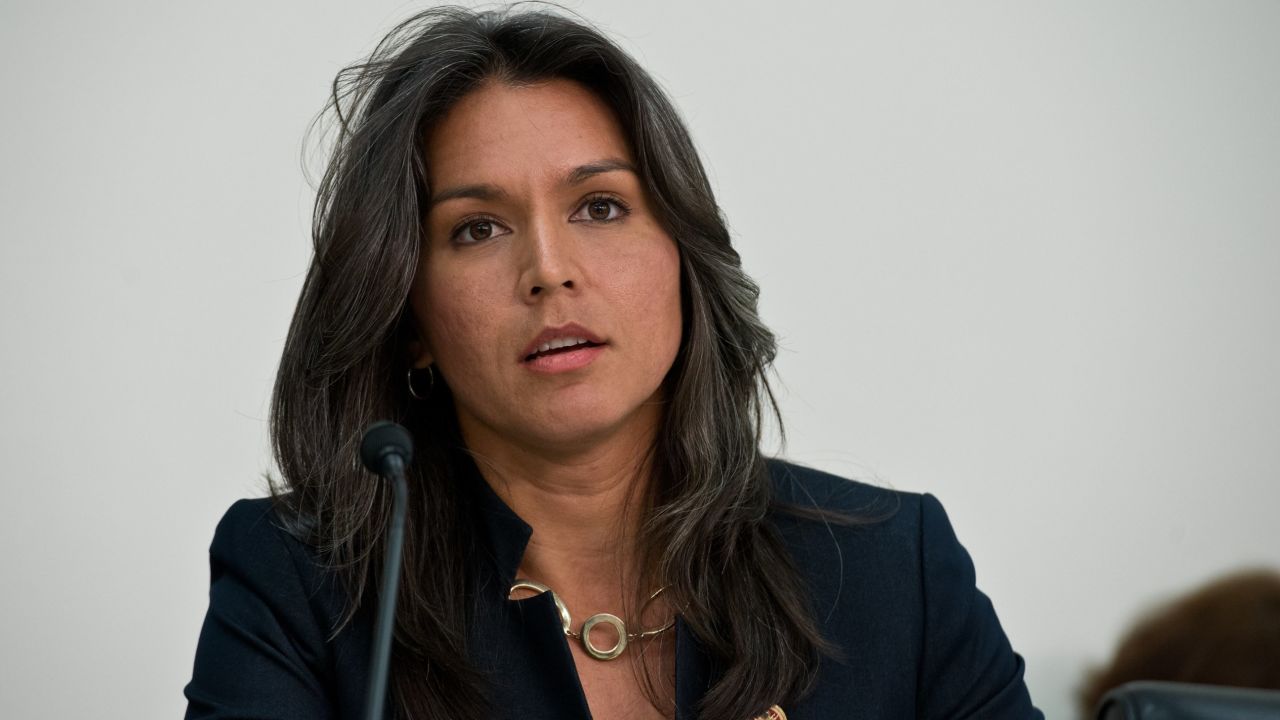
(919, 639)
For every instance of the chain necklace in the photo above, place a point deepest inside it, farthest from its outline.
(613, 621)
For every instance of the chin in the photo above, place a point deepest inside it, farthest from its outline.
(580, 427)
(575, 431)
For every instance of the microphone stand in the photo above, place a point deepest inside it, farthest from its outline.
(393, 469)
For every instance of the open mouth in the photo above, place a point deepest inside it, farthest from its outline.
(555, 348)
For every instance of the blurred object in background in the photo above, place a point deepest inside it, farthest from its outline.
(1151, 700)
(1226, 633)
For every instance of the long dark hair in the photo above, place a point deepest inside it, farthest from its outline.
(706, 529)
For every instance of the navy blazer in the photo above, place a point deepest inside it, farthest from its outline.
(919, 640)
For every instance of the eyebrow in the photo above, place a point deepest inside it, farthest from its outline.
(477, 192)
(576, 176)
(583, 173)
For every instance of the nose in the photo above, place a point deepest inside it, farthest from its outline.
(549, 263)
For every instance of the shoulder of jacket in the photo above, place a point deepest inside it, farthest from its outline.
(253, 541)
(252, 522)
(808, 488)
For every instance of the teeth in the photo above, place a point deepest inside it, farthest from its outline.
(561, 342)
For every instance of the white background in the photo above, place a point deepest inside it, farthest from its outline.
(1025, 256)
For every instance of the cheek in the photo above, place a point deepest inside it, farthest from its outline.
(667, 292)
(454, 304)
(672, 310)
(649, 286)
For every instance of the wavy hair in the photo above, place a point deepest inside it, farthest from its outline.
(706, 532)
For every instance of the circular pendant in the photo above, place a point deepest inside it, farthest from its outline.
(618, 627)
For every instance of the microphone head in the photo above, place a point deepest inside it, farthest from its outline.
(385, 438)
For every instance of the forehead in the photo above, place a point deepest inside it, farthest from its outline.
(500, 129)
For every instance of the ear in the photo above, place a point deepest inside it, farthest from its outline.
(419, 355)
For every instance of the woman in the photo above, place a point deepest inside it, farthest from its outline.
(519, 257)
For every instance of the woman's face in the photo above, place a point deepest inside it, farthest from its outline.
(539, 229)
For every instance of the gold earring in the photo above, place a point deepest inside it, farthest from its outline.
(431, 383)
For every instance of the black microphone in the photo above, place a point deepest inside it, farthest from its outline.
(387, 449)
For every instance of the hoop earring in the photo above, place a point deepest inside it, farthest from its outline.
(431, 383)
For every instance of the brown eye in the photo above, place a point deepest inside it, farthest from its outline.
(599, 210)
(477, 230)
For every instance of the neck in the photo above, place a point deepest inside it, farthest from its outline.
(584, 505)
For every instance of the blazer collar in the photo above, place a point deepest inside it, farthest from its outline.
(506, 533)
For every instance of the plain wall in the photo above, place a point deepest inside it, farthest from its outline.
(1022, 255)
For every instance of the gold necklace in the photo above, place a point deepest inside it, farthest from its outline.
(608, 619)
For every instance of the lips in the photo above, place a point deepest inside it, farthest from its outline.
(551, 339)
